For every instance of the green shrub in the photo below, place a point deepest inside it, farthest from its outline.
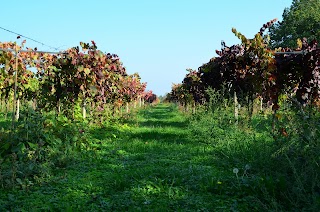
(284, 164)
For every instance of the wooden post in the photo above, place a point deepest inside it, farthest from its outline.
(127, 107)
(84, 112)
(83, 105)
(194, 108)
(34, 104)
(18, 110)
(15, 89)
(236, 109)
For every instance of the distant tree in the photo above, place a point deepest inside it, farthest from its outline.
(301, 20)
(162, 97)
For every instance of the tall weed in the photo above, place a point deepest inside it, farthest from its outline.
(284, 166)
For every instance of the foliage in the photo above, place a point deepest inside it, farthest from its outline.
(203, 162)
(51, 132)
(193, 84)
(252, 70)
(27, 137)
(300, 20)
(283, 169)
(129, 167)
(54, 158)
(287, 79)
(150, 97)
(179, 94)
(36, 146)
(80, 73)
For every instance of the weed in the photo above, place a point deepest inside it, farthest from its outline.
(160, 159)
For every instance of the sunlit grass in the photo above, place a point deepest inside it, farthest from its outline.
(163, 161)
(153, 164)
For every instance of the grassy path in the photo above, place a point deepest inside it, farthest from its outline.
(152, 164)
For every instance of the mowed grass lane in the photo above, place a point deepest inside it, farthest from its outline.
(151, 164)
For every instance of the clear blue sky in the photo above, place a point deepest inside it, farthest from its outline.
(159, 39)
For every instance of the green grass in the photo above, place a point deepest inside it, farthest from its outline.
(164, 160)
(283, 174)
(152, 164)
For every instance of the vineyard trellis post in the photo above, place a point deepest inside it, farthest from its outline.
(236, 107)
(15, 115)
(140, 101)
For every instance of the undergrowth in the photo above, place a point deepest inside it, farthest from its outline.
(40, 143)
(160, 159)
(279, 167)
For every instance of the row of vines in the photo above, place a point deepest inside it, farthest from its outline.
(252, 70)
(260, 106)
(59, 81)
(49, 99)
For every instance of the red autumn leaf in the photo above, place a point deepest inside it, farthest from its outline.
(283, 132)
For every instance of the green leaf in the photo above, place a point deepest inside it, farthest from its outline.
(87, 71)
(20, 147)
(53, 90)
(80, 68)
(32, 145)
(19, 181)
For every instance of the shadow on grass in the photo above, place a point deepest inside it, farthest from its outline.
(103, 133)
(163, 137)
(163, 123)
(139, 170)
(160, 111)
(158, 123)
(162, 116)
